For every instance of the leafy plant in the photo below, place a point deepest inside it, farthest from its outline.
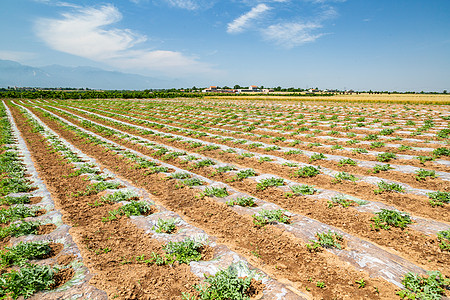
(244, 174)
(266, 216)
(389, 187)
(97, 187)
(344, 176)
(264, 159)
(192, 182)
(441, 152)
(377, 144)
(444, 239)
(385, 157)
(422, 174)
(16, 213)
(226, 284)
(268, 182)
(347, 161)
(303, 189)
(8, 200)
(19, 254)
(216, 192)
(185, 251)
(120, 196)
(360, 150)
(439, 198)
(378, 168)
(180, 175)
(326, 240)
(19, 229)
(135, 208)
(386, 218)
(317, 156)
(204, 163)
(423, 159)
(27, 281)
(307, 171)
(166, 225)
(242, 201)
(431, 286)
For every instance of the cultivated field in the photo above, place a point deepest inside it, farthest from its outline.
(224, 199)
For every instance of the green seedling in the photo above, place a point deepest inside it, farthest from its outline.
(379, 168)
(119, 196)
(386, 218)
(431, 286)
(444, 240)
(386, 156)
(384, 186)
(347, 161)
(423, 174)
(242, 201)
(95, 188)
(19, 229)
(185, 251)
(192, 182)
(134, 208)
(326, 240)
(377, 145)
(244, 174)
(15, 200)
(317, 156)
(22, 252)
(307, 171)
(180, 175)
(439, 198)
(360, 150)
(15, 213)
(216, 192)
(265, 217)
(303, 189)
(26, 281)
(226, 284)
(166, 225)
(264, 159)
(339, 177)
(268, 182)
(423, 159)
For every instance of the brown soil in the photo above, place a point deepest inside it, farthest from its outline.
(62, 277)
(64, 260)
(46, 229)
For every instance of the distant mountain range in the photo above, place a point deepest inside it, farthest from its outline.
(15, 74)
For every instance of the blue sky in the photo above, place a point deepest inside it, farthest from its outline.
(372, 44)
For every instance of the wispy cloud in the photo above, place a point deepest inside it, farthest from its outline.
(17, 55)
(239, 24)
(289, 35)
(191, 4)
(88, 32)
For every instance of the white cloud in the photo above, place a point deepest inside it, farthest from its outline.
(292, 34)
(239, 24)
(87, 32)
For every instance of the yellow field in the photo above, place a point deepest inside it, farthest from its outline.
(380, 98)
